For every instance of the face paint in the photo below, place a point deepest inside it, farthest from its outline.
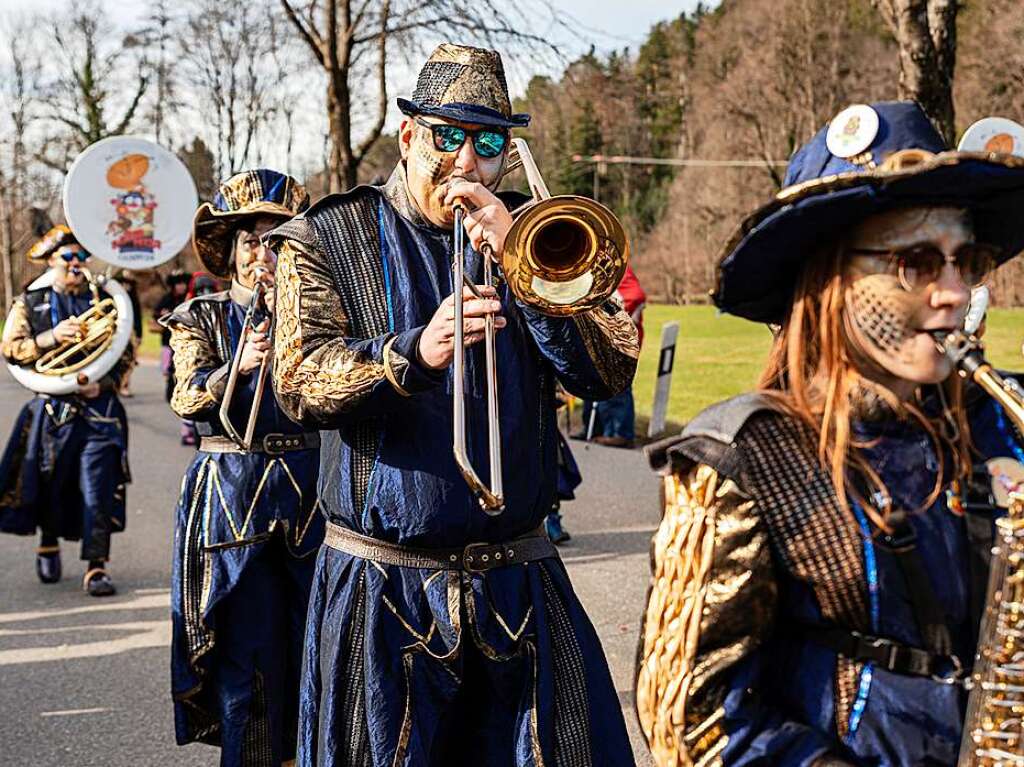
(429, 162)
(889, 327)
(883, 311)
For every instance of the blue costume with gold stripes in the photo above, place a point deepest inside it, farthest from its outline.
(65, 467)
(429, 665)
(247, 526)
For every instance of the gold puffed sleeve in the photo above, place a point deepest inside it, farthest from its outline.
(18, 345)
(613, 343)
(712, 600)
(317, 377)
(194, 353)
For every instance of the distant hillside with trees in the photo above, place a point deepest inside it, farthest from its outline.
(747, 80)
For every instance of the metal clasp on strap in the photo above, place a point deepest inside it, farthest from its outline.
(277, 444)
(480, 557)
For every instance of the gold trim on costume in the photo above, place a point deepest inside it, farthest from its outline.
(389, 372)
(709, 605)
(313, 367)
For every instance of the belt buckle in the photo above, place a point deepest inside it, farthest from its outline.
(480, 557)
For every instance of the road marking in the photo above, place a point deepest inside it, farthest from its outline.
(613, 530)
(148, 634)
(76, 712)
(131, 626)
(144, 602)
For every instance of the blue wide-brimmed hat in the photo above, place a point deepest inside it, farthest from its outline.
(867, 160)
(466, 84)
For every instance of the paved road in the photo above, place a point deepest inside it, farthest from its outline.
(84, 683)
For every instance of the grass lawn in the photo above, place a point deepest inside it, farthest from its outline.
(718, 355)
(150, 346)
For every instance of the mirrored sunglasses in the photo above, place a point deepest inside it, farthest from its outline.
(921, 264)
(487, 142)
(74, 254)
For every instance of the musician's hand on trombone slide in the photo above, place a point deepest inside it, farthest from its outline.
(487, 219)
(256, 347)
(437, 340)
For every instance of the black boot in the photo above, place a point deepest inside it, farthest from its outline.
(48, 563)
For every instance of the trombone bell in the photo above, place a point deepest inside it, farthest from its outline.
(565, 255)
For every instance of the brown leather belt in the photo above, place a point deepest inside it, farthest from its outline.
(271, 444)
(475, 558)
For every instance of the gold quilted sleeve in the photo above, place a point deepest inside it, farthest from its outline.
(613, 343)
(18, 345)
(317, 377)
(711, 601)
(193, 353)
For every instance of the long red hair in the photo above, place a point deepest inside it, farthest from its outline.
(811, 371)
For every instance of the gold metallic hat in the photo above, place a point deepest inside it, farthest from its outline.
(249, 194)
(58, 237)
(465, 84)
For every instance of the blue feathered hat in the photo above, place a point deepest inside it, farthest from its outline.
(867, 160)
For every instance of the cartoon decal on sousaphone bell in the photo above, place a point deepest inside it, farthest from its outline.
(133, 228)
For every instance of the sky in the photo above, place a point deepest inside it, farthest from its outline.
(605, 24)
(613, 26)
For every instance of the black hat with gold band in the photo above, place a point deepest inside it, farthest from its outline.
(251, 194)
(465, 84)
(53, 241)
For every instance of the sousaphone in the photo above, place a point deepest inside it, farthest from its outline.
(130, 203)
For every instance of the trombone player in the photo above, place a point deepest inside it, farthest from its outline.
(439, 634)
(66, 465)
(247, 524)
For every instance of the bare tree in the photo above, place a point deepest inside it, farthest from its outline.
(95, 79)
(226, 49)
(18, 94)
(925, 31)
(350, 40)
(156, 40)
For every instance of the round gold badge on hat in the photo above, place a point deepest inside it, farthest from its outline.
(1007, 477)
(994, 134)
(852, 131)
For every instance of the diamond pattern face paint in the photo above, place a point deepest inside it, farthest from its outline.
(430, 162)
(883, 312)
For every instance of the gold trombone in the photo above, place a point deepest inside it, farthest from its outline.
(244, 441)
(563, 255)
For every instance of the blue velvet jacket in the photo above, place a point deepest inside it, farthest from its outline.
(359, 277)
(754, 554)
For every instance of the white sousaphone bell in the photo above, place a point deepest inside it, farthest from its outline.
(129, 202)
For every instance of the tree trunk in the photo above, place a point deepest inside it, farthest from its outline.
(7, 250)
(925, 31)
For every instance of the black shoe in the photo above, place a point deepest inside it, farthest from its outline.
(580, 435)
(48, 564)
(97, 583)
(554, 529)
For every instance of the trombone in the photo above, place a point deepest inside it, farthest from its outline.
(563, 255)
(244, 441)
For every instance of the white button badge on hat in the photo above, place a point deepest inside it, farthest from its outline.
(852, 131)
(994, 134)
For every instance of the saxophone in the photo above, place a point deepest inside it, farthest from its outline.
(994, 726)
